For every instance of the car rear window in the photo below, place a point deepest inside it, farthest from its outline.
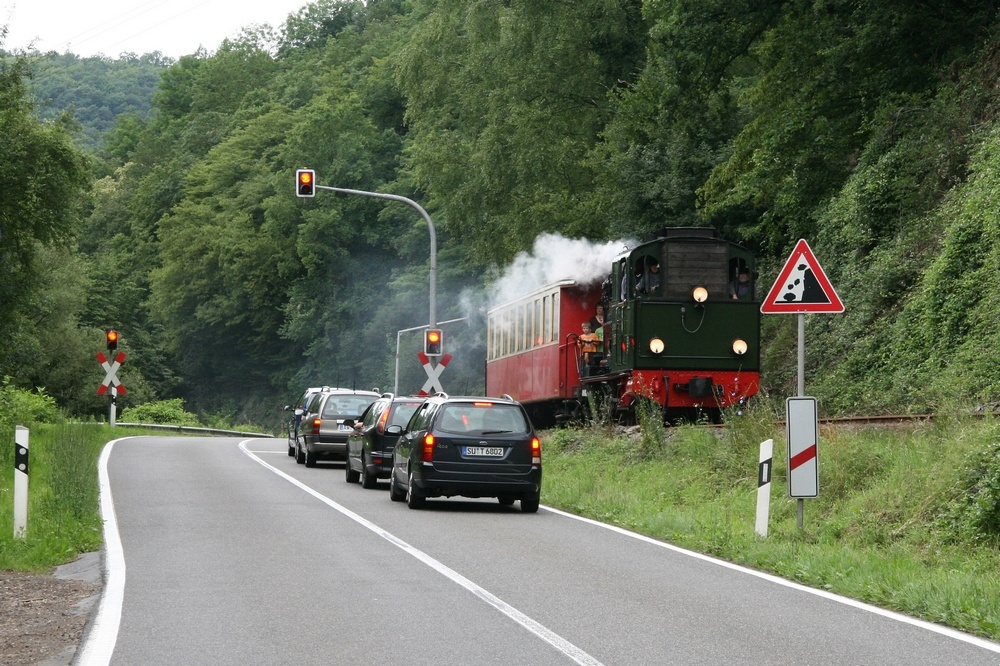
(481, 417)
(401, 413)
(346, 405)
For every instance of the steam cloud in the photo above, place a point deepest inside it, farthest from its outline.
(555, 258)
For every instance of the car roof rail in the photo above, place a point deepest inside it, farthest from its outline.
(439, 394)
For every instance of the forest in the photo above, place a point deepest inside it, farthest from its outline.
(157, 197)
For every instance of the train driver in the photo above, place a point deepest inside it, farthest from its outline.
(649, 281)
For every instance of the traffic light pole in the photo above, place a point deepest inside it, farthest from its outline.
(430, 228)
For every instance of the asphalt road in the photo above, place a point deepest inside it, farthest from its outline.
(230, 553)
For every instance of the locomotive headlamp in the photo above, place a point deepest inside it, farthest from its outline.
(656, 346)
(699, 294)
(739, 346)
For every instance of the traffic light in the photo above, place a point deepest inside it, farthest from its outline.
(112, 337)
(305, 183)
(432, 342)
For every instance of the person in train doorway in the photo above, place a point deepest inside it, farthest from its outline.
(740, 288)
(597, 322)
(649, 281)
(587, 341)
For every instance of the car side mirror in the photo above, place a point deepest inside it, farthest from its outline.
(394, 430)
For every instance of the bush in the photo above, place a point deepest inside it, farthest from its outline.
(974, 516)
(22, 407)
(162, 412)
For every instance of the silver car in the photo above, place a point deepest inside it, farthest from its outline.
(323, 433)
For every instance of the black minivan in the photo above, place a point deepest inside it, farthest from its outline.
(468, 446)
(369, 448)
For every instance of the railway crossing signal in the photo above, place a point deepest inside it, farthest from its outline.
(433, 384)
(112, 338)
(305, 183)
(111, 378)
(433, 342)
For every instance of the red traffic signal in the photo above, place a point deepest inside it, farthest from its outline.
(433, 342)
(112, 337)
(305, 183)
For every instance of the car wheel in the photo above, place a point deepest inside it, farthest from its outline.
(394, 493)
(310, 459)
(367, 480)
(300, 457)
(349, 474)
(291, 450)
(506, 500)
(414, 499)
(529, 503)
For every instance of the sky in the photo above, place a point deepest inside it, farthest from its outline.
(112, 27)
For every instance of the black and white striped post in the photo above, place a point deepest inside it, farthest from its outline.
(764, 486)
(20, 481)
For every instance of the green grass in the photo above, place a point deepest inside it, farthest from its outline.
(63, 505)
(906, 519)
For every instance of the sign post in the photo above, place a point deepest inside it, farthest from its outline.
(801, 288)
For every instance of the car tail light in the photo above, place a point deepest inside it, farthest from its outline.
(382, 419)
(427, 454)
(536, 451)
(316, 425)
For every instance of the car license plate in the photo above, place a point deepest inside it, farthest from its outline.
(494, 451)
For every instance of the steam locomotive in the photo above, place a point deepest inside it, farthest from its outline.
(681, 328)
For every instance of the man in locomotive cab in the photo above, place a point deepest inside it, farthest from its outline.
(740, 289)
(649, 278)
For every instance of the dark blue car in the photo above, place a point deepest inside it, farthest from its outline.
(468, 446)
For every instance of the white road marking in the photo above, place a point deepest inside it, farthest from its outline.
(550, 637)
(99, 643)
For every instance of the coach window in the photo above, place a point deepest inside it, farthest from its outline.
(529, 330)
(553, 315)
(546, 322)
(503, 333)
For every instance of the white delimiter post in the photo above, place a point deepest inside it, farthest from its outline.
(764, 486)
(20, 481)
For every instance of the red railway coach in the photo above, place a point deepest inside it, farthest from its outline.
(532, 352)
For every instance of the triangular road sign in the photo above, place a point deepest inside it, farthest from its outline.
(802, 286)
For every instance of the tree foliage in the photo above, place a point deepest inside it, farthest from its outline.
(868, 127)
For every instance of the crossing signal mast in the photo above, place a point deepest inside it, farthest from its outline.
(305, 183)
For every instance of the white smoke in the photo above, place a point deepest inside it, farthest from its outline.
(555, 258)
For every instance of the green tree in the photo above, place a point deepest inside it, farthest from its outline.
(42, 176)
(505, 101)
